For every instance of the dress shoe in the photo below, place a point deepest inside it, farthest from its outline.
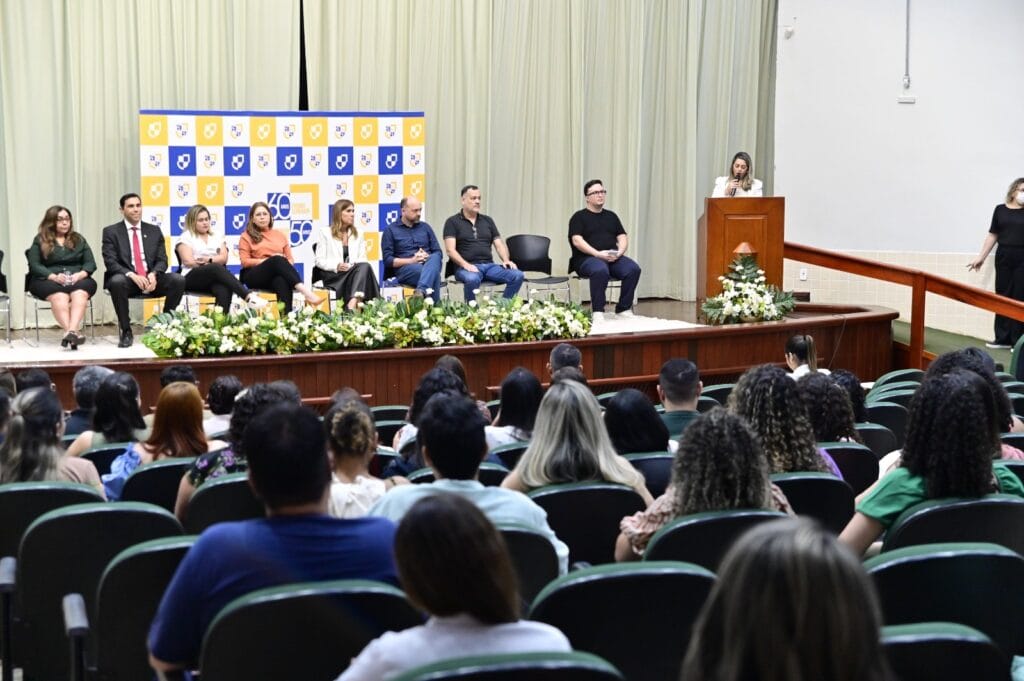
(126, 339)
(79, 338)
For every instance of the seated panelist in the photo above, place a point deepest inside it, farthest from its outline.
(341, 257)
(267, 260)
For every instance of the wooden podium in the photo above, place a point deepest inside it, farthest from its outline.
(726, 224)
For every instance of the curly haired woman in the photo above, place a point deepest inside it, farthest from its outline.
(719, 466)
(767, 398)
(828, 407)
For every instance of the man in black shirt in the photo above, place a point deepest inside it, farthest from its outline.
(468, 237)
(599, 244)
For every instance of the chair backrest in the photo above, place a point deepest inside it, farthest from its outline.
(873, 394)
(899, 375)
(22, 502)
(574, 666)
(510, 453)
(104, 455)
(720, 392)
(129, 593)
(976, 584)
(386, 430)
(390, 412)
(995, 518)
(892, 416)
(490, 474)
(656, 468)
(218, 500)
(308, 631)
(1017, 402)
(530, 252)
(586, 515)
(943, 651)
(857, 463)
(705, 538)
(707, 403)
(533, 556)
(604, 398)
(157, 482)
(901, 397)
(66, 551)
(877, 438)
(821, 496)
(3, 277)
(637, 616)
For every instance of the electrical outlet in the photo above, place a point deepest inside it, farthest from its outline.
(803, 274)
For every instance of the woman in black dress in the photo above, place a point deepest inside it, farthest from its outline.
(341, 257)
(1007, 230)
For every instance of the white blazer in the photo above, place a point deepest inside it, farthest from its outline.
(719, 190)
(329, 250)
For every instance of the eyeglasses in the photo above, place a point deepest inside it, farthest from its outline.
(598, 191)
(63, 218)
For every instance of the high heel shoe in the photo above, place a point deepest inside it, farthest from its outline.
(70, 338)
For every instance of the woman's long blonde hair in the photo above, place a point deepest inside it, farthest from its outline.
(570, 442)
(337, 229)
(192, 217)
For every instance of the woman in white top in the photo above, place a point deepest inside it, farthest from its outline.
(352, 441)
(801, 357)
(521, 393)
(203, 256)
(740, 180)
(453, 564)
(341, 257)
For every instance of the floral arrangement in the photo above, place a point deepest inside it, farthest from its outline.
(375, 324)
(745, 296)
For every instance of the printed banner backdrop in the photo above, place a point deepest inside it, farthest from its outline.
(298, 162)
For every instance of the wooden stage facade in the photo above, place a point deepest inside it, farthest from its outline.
(854, 337)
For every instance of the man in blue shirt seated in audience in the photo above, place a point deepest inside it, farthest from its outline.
(290, 472)
(411, 251)
(679, 389)
(452, 443)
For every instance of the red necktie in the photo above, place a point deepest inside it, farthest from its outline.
(140, 263)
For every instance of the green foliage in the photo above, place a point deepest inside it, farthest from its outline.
(745, 296)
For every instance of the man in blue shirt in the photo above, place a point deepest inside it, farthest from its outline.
(411, 250)
(297, 542)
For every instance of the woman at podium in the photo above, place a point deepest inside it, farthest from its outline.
(740, 180)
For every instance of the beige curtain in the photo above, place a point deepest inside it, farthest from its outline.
(74, 74)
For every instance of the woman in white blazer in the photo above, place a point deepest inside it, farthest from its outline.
(341, 257)
(740, 180)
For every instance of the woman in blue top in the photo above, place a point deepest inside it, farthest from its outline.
(952, 437)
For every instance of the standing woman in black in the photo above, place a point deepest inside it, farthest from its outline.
(1008, 231)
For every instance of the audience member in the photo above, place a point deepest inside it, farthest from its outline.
(452, 443)
(521, 393)
(790, 603)
(801, 357)
(569, 374)
(85, 384)
(31, 448)
(233, 459)
(173, 374)
(352, 442)
(849, 382)
(177, 432)
(454, 565)
(117, 417)
(35, 377)
(979, 361)
(434, 381)
(564, 355)
(5, 413)
(8, 383)
(768, 399)
(952, 437)
(679, 387)
(290, 472)
(221, 400)
(454, 365)
(633, 424)
(720, 466)
(570, 444)
(828, 407)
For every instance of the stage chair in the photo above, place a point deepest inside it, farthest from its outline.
(857, 463)
(511, 453)
(40, 304)
(943, 651)
(157, 482)
(892, 416)
(705, 538)
(487, 288)
(316, 279)
(995, 518)
(66, 551)
(638, 616)
(821, 496)
(574, 666)
(975, 584)
(586, 515)
(530, 254)
(22, 502)
(877, 438)
(533, 557)
(656, 468)
(217, 500)
(103, 456)
(5, 299)
(301, 631)
(129, 594)
(203, 298)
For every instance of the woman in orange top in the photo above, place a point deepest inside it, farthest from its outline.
(267, 259)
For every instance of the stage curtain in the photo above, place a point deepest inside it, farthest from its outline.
(74, 74)
(530, 98)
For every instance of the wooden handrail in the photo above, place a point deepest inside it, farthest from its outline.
(920, 282)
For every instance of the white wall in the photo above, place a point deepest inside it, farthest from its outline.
(861, 172)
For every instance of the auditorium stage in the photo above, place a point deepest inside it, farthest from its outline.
(854, 337)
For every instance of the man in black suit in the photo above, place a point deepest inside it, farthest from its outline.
(136, 262)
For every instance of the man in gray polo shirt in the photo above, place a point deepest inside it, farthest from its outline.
(468, 237)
